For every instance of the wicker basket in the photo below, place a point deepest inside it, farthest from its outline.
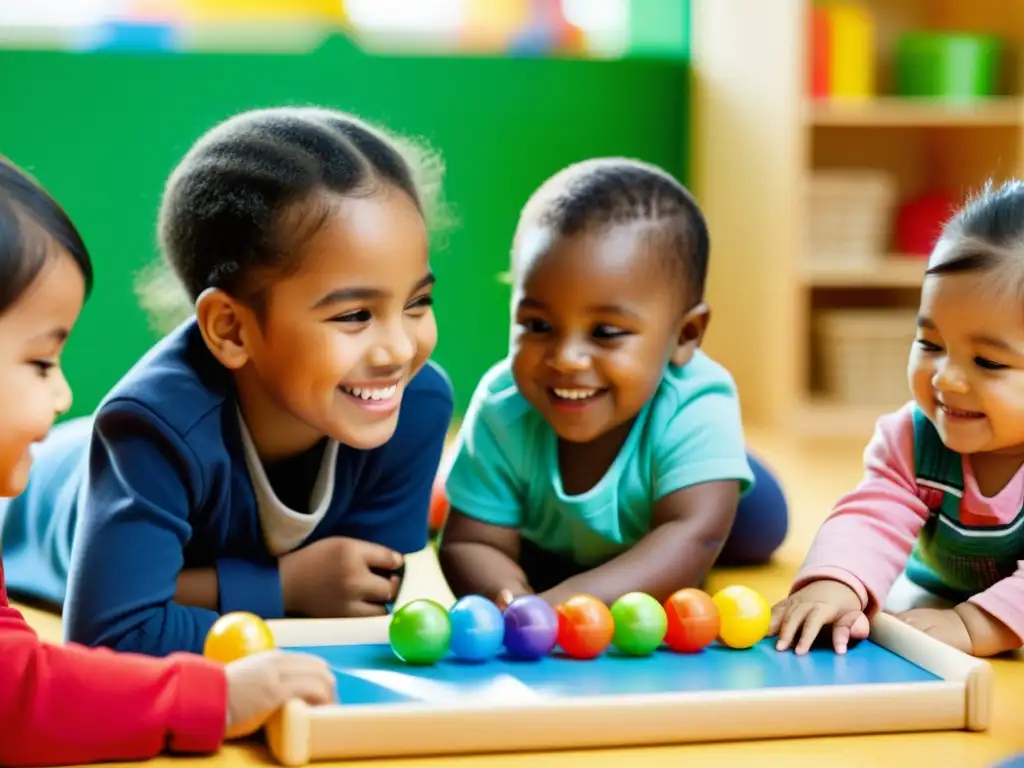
(850, 215)
(864, 353)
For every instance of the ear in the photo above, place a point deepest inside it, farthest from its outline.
(224, 323)
(692, 327)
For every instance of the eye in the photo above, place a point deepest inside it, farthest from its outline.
(358, 316)
(928, 346)
(43, 366)
(989, 365)
(422, 302)
(534, 325)
(605, 331)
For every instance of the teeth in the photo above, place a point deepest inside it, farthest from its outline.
(957, 411)
(575, 394)
(372, 394)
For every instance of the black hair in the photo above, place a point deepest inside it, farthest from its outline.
(987, 232)
(31, 223)
(614, 190)
(250, 190)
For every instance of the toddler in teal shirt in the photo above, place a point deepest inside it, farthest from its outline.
(606, 453)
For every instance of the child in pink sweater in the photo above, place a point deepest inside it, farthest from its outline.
(941, 502)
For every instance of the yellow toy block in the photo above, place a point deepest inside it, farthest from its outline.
(852, 62)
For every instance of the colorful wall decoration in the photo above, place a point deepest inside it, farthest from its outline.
(605, 29)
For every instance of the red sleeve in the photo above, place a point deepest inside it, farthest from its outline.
(62, 704)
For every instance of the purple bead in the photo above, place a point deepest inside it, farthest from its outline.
(531, 627)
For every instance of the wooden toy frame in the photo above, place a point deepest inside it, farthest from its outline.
(299, 734)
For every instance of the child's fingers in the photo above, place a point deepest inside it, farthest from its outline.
(861, 626)
(377, 556)
(820, 615)
(313, 689)
(791, 623)
(840, 637)
(376, 589)
(778, 612)
(504, 597)
(312, 681)
(853, 624)
(850, 624)
(306, 664)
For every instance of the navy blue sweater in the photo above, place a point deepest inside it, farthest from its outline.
(166, 486)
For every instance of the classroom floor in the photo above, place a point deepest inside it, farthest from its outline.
(813, 475)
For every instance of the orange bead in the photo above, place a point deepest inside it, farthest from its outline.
(585, 627)
(693, 621)
(236, 635)
(438, 505)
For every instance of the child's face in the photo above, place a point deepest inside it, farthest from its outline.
(33, 390)
(597, 317)
(966, 368)
(343, 336)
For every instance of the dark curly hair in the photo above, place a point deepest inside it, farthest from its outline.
(250, 191)
(613, 190)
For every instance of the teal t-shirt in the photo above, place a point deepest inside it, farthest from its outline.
(505, 470)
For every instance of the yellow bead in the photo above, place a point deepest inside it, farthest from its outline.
(745, 616)
(235, 635)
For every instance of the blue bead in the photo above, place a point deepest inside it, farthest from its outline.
(478, 628)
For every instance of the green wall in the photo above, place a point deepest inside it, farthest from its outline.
(103, 130)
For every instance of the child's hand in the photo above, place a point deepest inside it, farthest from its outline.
(811, 608)
(334, 578)
(508, 594)
(943, 624)
(989, 635)
(261, 684)
(966, 627)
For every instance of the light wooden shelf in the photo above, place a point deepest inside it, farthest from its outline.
(819, 418)
(890, 111)
(758, 138)
(894, 271)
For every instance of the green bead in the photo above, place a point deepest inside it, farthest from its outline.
(640, 624)
(420, 632)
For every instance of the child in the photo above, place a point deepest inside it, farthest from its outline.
(61, 705)
(276, 452)
(605, 455)
(941, 497)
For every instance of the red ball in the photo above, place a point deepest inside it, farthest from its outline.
(693, 621)
(919, 222)
(438, 505)
(585, 627)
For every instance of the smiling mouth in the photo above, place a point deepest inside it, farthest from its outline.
(958, 413)
(572, 399)
(371, 394)
(576, 395)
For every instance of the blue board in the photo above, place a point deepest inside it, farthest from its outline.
(372, 675)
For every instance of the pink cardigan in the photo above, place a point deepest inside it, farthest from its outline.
(867, 539)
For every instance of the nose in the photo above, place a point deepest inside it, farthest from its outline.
(395, 347)
(570, 356)
(62, 396)
(949, 378)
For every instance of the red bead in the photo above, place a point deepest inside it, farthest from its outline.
(693, 621)
(585, 627)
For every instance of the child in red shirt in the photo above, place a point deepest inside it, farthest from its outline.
(71, 704)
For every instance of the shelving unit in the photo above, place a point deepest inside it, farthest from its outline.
(893, 112)
(758, 139)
